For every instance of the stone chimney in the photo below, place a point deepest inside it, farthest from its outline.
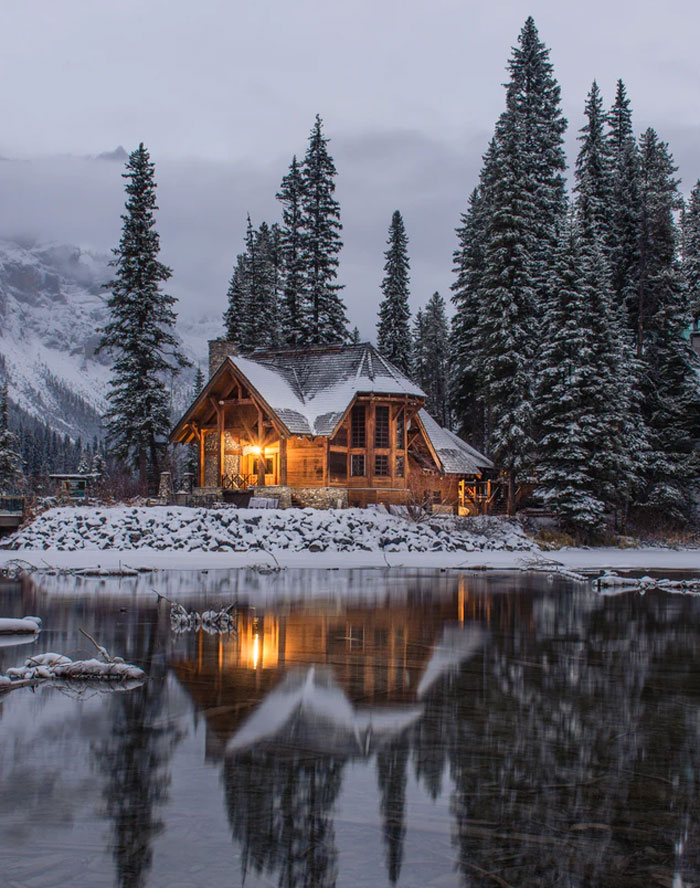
(219, 350)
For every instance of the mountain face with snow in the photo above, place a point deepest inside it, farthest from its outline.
(51, 308)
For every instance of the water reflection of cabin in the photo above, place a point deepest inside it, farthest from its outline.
(326, 426)
(378, 654)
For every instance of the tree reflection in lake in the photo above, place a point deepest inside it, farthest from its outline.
(479, 730)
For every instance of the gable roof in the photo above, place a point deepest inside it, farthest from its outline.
(310, 389)
(457, 457)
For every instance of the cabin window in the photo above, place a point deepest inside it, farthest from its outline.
(338, 464)
(400, 427)
(381, 464)
(381, 426)
(269, 466)
(357, 423)
(437, 497)
(357, 465)
(400, 465)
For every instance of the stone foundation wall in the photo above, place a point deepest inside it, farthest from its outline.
(279, 492)
(320, 497)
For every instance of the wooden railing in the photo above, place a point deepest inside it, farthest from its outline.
(13, 504)
(238, 482)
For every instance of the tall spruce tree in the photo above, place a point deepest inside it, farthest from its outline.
(393, 327)
(624, 209)
(593, 173)
(292, 242)
(691, 252)
(323, 319)
(466, 389)
(140, 333)
(10, 460)
(660, 317)
(568, 397)
(253, 316)
(524, 200)
(432, 355)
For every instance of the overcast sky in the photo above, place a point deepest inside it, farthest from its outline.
(223, 92)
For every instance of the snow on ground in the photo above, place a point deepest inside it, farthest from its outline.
(179, 529)
(209, 539)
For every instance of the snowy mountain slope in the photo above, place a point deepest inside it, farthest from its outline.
(52, 306)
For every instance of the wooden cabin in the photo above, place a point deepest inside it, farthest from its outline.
(326, 426)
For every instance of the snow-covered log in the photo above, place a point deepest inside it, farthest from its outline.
(20, 626)
(56, 667)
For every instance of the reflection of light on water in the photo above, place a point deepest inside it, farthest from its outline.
(256, 650)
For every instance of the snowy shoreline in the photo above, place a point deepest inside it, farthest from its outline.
(178, 538)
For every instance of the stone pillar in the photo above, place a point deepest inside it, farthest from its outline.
(188, 482)
(165, 488)
(219, 349)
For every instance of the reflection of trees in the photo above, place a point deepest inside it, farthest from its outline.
(135, 757)
(280, 809)
(574, 763)
(391, 775)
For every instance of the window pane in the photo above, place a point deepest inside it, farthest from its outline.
(381, 426)
(338, 465)
(381, 464)
(400, 468)
(357, 422)
(341, 436)
(400, 423)
(357, 465)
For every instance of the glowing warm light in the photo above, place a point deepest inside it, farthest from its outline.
(256, 450)
(256, 650)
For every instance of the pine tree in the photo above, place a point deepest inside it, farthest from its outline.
(355, 336)
(567, 397)
(466, 389)
(593, 173)
(10, 460)
(292, 244)
(660, 316)
(252, 319)
(522, 201)
(323, 319)
(140, 332)
(691, 252)
(393, 328)
(624, 199)
(432, 350)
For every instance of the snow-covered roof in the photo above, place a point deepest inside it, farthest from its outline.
(456, 456)
(311, 389)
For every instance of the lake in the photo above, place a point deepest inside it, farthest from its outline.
(361, 728)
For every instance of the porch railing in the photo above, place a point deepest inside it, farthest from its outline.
(238, 482)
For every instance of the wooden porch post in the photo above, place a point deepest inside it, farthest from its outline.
(201, 458)
(261, 455)
(283, 461)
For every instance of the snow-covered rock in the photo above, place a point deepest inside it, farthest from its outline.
(174, 528)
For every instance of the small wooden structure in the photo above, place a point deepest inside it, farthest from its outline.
(11, 513)
(75, 486)
(324, 426)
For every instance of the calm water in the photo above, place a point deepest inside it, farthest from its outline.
(364, 728)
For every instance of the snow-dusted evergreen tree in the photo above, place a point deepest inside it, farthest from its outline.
(466, 390)
(323, 319)
(98, 466)
(192, 461)
(523, 200)
(10, 460)
(432, 357)
(84, 463)
(292, 242)
(140, 333)
(567, 398)
(355, 336)
(624, 199)
(661, 316)
(252, 318)
(691, 252)
(237, 303)
(593, 172)
(393, 326)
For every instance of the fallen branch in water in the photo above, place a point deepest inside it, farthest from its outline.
(214, 622)
(611, 582)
